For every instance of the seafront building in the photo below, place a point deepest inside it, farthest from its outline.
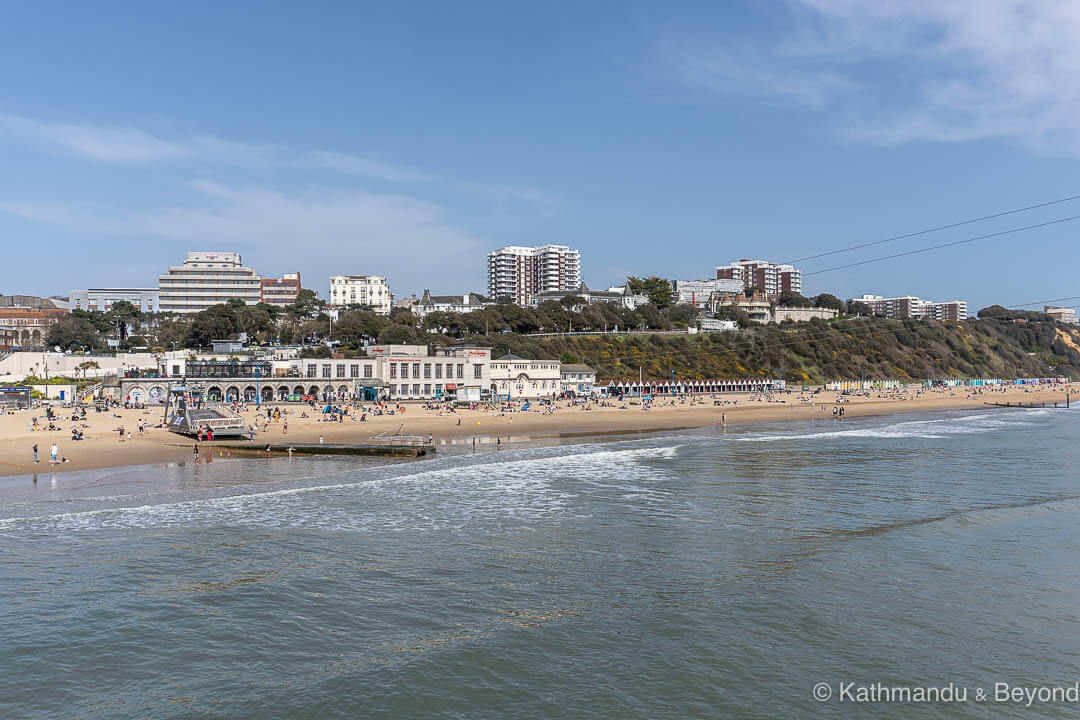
(206, 279)
(763, 311)
(28, 327)
(34, 302)
(520, 272)
(101, 299)
(515, 378)
(904, 307)
(698, 293)
(370, 290)
(1066, 315)
(464, 303)
(621, 296)
(577, 380)
(767, 277)
(280, 291)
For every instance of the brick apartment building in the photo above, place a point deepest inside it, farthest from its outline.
(769, 278)
(280, 291)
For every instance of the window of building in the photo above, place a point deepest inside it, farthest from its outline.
(416, 389)
(393, 370)
(175, 369)
(427, 388)
(354, 371)
(341, 370)
(478, 371)
(427, 370)
(311, 371)
(438, 388)
(367, 371)
(326, 371)
(438, 370)
(460, 371)
(416, 371)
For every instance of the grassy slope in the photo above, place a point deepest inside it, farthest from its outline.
(818, 351)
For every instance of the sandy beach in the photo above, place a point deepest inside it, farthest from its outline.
(103, 446)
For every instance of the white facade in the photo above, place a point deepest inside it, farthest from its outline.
(102, 299)
(515, 378)
(519, 272)
(371, 290)
(206, 279)
(910, 306)
(699, 292)
(464, 303)
(1066, 315)
(577, 379)
(403, 372)
(613, 295)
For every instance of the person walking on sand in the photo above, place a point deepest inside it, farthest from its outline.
(53, 451)
(35, 453)
(285, 427)
(195, 450)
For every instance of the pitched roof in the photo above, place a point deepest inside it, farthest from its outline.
(577, 368)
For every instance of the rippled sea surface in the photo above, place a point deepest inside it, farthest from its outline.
(688, 575)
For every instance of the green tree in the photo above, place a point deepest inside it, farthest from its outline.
(859, 308)
(657, 289)
(790, 298)
(825, 300)
(72, 333)
(572, 301)
(306, 305)
(216, 322)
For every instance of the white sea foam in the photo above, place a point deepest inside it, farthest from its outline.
(927, 429)
(504, 474)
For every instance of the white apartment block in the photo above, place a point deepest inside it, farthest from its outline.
(520, 272)
(770, 278)
(371, 290)
(1065, 315)
(910, 306)
(699, 292)
(206, 279)
(102, 299)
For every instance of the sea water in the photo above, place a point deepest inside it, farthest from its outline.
(686, 575)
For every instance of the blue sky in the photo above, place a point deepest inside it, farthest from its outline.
(407, 139)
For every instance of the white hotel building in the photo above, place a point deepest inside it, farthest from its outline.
(206, 279)
(520, 272)
(371, 290)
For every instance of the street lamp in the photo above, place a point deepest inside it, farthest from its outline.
(258, 395)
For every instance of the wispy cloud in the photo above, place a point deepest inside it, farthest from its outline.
(384, 232)
(918, 70)
(132, 146)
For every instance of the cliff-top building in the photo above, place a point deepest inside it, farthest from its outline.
(769, 278)
(206, 279)
(520, 272)
(370, 290)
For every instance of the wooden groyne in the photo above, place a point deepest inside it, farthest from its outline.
(1030, 405)
(377, 449)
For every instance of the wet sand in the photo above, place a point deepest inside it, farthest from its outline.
(103, 447)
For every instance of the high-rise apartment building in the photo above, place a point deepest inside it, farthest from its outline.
(282, 290)
(520, 272)
(769, 278)
(909, 306)
(372, 290)
(206, 279)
